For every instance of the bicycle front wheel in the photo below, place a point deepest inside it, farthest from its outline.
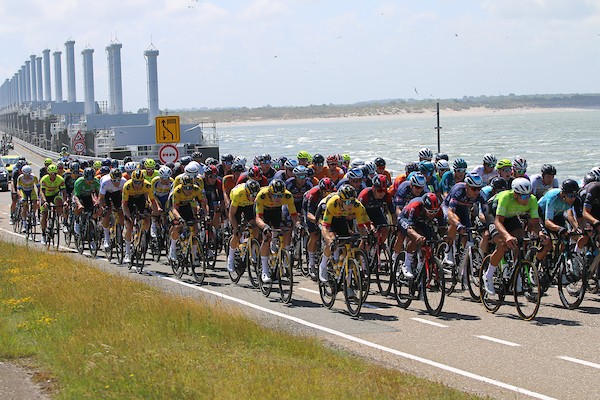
(93, 238)
(328, 290)
(403, 290)
(285, 277)
(353, 287)
(433, 287)
(474, 262)
(526, 290)
(240, 263)
(140, 252)
(572, 280)
(383, 271)
(197, 260)
(491, 303)
(254, 269)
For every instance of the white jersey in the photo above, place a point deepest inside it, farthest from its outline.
(537, 185)
(486, 177)
(107, 185)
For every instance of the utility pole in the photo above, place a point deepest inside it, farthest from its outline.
(438, 128)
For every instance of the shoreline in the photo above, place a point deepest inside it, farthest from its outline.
(444, 112)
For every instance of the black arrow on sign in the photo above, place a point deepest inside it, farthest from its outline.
(164, 124)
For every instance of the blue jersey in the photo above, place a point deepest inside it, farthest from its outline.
(404, 195)
(447, 181)
(551, 205)
(458, 199)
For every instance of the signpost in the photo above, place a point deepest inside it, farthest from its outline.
(79, 143)
(168, 153)
(167, 129)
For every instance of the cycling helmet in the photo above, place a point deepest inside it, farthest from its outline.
(196, 155)
(290, 164)
(104, 170)
(192, 169)
(380, 181)
(357, 162)
(521, 186)
(442, 165)
(84, 164)
(114, 163)
(19, 164)
(411, 167)
(227, 157)
(490, 159)
(354, 173)
(277, 186)
(303, 154)
(426, 167)
(211, 170)
(418, 179)
(347, 192)
(187, 181)
(237, 168)
(116, 174)
(137, 175)
(74, 166)
(254, 172)
(459, 163)
(52, 169)
(88, 174)
(371, 168)
(569, 186)
(63, 149)
(499, 183)
(240, 160)
(211, 161)
(441, 156)
(595, 171)
(318, 159)
(150, 163)
(97, 164)
(60, 164)
(301, 170)
(47, 161)
(346, 157)
(380, 162)
(165, 172)
(473, 180)
(130, 167)
(430, 202)
(106, 162)
(252, 188)
(22, 158)
(519, 163)
(589, 177)
(548, 169)
(425, 154)
(127, 159)
(326, 184)
(333, 159)
(310, 172)
(504, 163)
(26, 169)
(185, 160)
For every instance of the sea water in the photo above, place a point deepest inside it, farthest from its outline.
(566, 139)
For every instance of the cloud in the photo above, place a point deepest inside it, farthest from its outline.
(543, 9)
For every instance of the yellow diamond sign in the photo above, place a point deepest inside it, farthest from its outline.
(167, 129)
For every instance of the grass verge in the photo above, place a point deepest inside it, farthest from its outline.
(105, 336)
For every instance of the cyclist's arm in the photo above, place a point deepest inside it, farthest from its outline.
(232, 219)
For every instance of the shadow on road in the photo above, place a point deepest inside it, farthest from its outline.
(452, 316)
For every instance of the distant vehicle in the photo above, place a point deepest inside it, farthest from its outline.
(4, 177)
(8, 162)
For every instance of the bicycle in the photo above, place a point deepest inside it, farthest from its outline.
(208, 238)
(116, 239)
(280, 268)
(29, 226)
(139, 243)
(160, 243)
(247, 257)
(52, 228)
(517, 276)
(299, 252)
(345, 272)
(428, 280)
(17, 218)
(88, 231)
(69, 224)
(189, 254)
(380, 261)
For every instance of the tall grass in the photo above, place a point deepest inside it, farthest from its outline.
(105, 336)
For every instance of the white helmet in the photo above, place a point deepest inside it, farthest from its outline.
(442, 165)
(521, 186)
(357, 162)
(240, 160)
(519, 163)
(26, 169)
(596, 172)
(130, 167)
(192, 169)
(165, 172)
(490, 159)
(371, 168)
(426, 154)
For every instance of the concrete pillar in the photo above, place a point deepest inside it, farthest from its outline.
(118, 81)
(70, 54)
(27, 81)
(40, 84)
(111, 79)
(152, 73)
(88, 81)
(57, 77)
(34, 96)
(47, 86)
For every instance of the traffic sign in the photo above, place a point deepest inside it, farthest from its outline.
(79, 147)
(167, 129)
(79, 137)
(168, 153)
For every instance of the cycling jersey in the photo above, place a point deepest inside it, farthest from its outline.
(180, 198)
(147, 177)
(367, 198)
(447, 182)
(457, 198)
(107, 185)
(334, 209)
(336, 174)
(228, 184)
(298, 192)
(244, 177)
(52, 187)
(197, 181)
(84, 189)
(129, 191)
(27, 185)
(508, 207)
(239, 197)
(404, 194)
(160, 187)
(264, 201)
(538, 188)
(487, 177)
(325, 173)
(552, 205)
(592, 199)
(214, 192)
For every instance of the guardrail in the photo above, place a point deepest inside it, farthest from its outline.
(45, 153)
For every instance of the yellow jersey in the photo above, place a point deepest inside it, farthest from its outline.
(334, 209)
(144, 189)
(264, 200)
(180, 198)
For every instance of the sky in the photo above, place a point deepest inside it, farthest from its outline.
(299, 52)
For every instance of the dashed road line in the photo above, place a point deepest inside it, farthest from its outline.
(366, 305)
(425, 321)
(495, 340)
(578, 361)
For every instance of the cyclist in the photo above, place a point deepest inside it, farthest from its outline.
(85, 191)
(341, 210)
(213, 191)
(269, 203)
(254, 173)
(44, 169)
(264, 162)
(507, 226)
(318, 164)
(161, 186)
(226, 165)
(70, 176)
(441, 167)
(457, 208)
(242, 203)
(378, 203)
(504, 168)
(519, 165)
(28, 187)
(288, 170)
(408, 169)
(128, 169)
(303, 158)
(450, 178)
(229, 182)
(298, 185)
(541, 183)
(188, 205)
(428, 170)
(425, 154)
(150, 171)
(408, 190)
(345, 162)
(13, 188)
(337, 173)
(488, 170)
(197, 156)
(354, 177)
(110, 199)
(52, 187)
(496, 185)
(310, 203)
(380, 164)
(416, 222)
(137, 193)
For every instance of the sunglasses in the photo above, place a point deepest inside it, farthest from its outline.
(115, 180)
(301, 176)
(506, 169)
(348, 202)
(332, 163)
(381, 190)
(475, 189)
(490, 165)
(318, 164)
(211, 176)
(137, 181)
(520, 171)
(570, 195)
(227, 162)
(431, 212)
(266, 162)
(277, 195)
(460, 170)
(188, 187)
(524, 196)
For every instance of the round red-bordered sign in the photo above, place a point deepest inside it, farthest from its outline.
(168, 153)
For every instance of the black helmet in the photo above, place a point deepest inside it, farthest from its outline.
(548, 169)
(589, 177)
(227, 157)
(127, 159)
(196, 155)
(569, 186)
(237, 168)
(411, 167)
(277, 186)
(185, 160)
(88, 174)
(106, 162)
(499, 183)
(318, 159)
(380, 162)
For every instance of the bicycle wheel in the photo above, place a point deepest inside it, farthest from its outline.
(56, 232)
(93, 238)
(50, 231)
(433, 287)
(240, 263)
(402, 286)
(526, 290)
(140, 252)
(16, 216)
(572, 279)
(197, 260)
(285, 277)
(254, 270)
(474, 261)
(328, 290)
(383, 271)
(178, 264)
(68, 233)
(211, 248)
(353, 287)
(80, 237)
(118, 243)
(450, 271)
(363, 263)
(491, 303)
(31, 226)
(155, 245)
(266, 287)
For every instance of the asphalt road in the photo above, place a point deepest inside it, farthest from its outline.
(499, 355)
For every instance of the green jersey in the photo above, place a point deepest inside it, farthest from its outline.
(508, 206)
(82, 188)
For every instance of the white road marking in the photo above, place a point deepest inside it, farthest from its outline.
(366, 305)
(491, 339)
(429, 322)
(309, 290)
(362, 341)
(578, 361)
